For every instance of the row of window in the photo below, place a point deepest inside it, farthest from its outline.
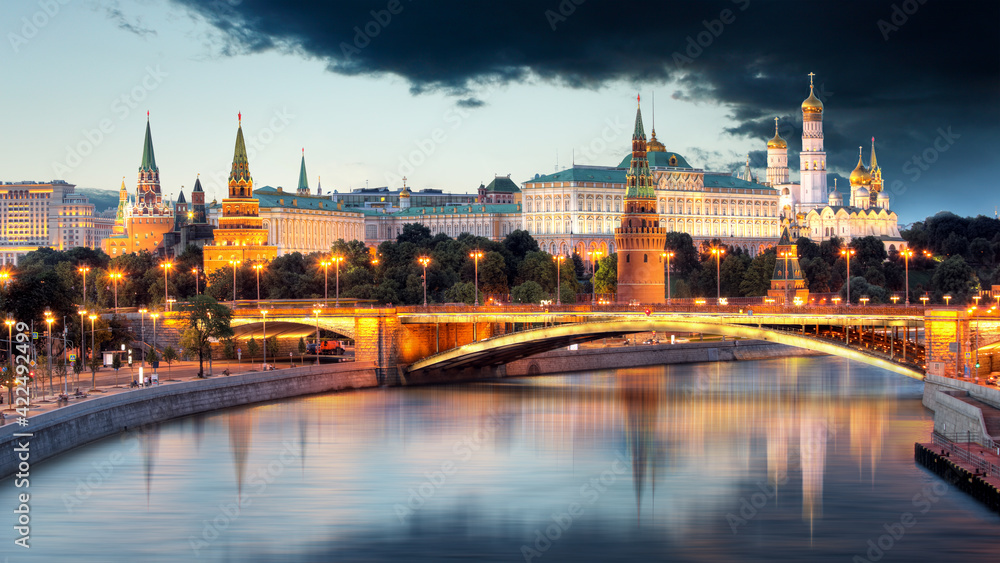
(689, 206)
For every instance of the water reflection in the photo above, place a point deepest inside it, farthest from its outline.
(726, 461)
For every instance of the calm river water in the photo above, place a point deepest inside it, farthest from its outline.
(798, 459)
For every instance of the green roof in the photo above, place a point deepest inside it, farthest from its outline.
(503, 184)
(585, 174)
(303, 180)
(271, 197)
(658, 160)
(148, 158)
(726, 181)
(241, 168)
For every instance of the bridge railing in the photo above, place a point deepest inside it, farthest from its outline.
(982, 465)
(707, 308)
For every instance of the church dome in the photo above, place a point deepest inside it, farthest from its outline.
(812, 104)
(653, 145)
(777, 142)
(861, 192)
(860, 176)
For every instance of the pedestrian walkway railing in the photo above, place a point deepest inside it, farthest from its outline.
(966, 453)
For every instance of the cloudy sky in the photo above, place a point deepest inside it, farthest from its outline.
(449, 93)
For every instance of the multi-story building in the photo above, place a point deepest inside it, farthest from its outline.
(577, 210)
(386, 199)
(492, 220)
(46, 214)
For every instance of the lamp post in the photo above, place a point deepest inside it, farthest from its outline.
(326, 284)
(263, 313)
(154, 317)
(9, 321)
(907, 253)
(337, 260)
(316, 312)
(257, 268)
(194, 272)
(234, 263)
(476, 255)
(786, 255)
(559, 260)
(424, 261)
(947, 300)
(848, 252)
(864, 301)
(48, 336)
(718, 252)
(668, 256)
(115, 276)
(166, 268)
(5, 278)
(923, 300)
(83, 341)
(83, 271)
(93, 351)
(142, 327)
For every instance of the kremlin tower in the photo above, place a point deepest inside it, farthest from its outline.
(640, 240)
(240, 236)
(198, 203)
(303, 187)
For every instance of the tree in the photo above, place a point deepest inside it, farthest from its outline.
(818, 274)
(870, 253)
(252, 348)
(527, 292)
(955, 245)
(519, 243)
(757, 280)
(462, 292)
(685, 260)
(228, 349)
(207, 319)
(606, 280)
(981, 252)
(302, 345)
(955, 277)
(733, 269)
(169, 356)
(416, 233)
(116, 364)
(272, 347)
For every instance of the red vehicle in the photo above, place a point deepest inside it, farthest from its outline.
(326, 348)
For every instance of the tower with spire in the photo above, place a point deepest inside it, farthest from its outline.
(787, 282)
(241, 235)
(142, 222)
(303, 186)
(198, 203)
(812, 159)
(777, 159)
(639, 239)
(875, 171)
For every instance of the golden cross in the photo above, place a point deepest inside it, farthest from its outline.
(811, 75)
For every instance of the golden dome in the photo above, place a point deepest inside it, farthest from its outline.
(777, 142)
(812, 104)
(860, 176)
(653, 145)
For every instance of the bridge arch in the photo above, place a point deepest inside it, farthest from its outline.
(510, 347)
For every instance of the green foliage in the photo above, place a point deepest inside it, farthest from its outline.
(462, 292)
(253, 348)
(170, 356)
(272, 347)
(228, 347)
(733, 269)
(861, 288)
(757, 280)
(818, 274)
(685, 261)
(606, 279)
(679, 288)
(870, 253)
(414, 233)
(116, 362)
(302, 345)
(955, 277)
(206, 319)
(527, 292)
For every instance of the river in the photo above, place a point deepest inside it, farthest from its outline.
(796, 459)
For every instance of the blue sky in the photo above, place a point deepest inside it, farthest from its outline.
(96, 65)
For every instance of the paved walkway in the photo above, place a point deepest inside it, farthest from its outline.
(110, 383)
(972, 457)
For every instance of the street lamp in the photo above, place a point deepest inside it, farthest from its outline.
(907, 253)
(257, 268)
(668, 256)
(863, 300)
(718, 252)
(263, 313)
(154, 317)
(947, 300)
(337, 260)
(115, 276)
(194, 271)
(848, 252)
(48, 359)
(976, 298)
(83, 271)
(83, 341)
(476, 255)
(326, 284)
(424, 261)
(93, 352)
(559, 260)
(895, 299)
(923, 300)
(5, 278)
(142, 327)
(316, 313)
(9, 321)
(166, 268)
(234, 263)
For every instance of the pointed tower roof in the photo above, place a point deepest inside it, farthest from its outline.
(241, 168)
(148, 158)
(122, 202)
(180, 198)
(639, 179)
(786, 239)
(874, 162)
(319, 186)
(303, 187)
(777, 142)
(197, 185)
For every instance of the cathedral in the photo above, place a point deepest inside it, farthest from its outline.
(809, 209)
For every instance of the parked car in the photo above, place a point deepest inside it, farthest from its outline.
(326, 348)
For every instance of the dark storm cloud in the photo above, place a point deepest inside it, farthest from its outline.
(898, 70)
(114, 13)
